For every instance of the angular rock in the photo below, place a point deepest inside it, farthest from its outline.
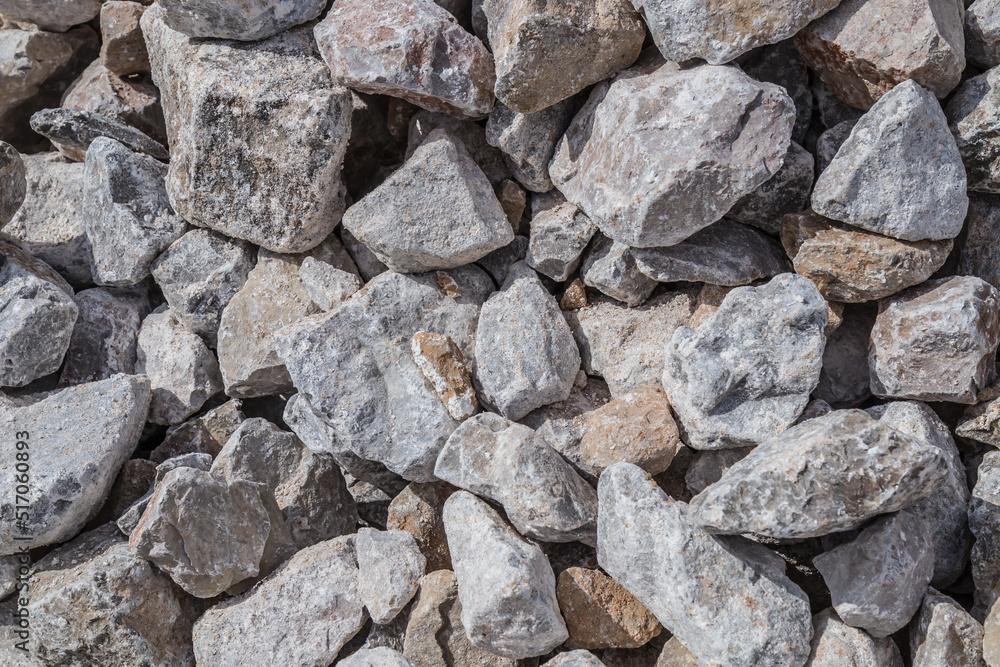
(945, 634)
(600, 613)
(22, 263)
(969, 114)
(82, 436)
(499, 262)
(123, 50)
(982, 34)
(936, 341)
(858, 189)
(73, 131)
(787, 192)
(126, 212)
(977, 254)
(257, 134)
(560, 233)
(701, 582)
(745, 375)
(327, 285)
(130, 518)
(376, 657)
(13, 182)
(675, 655)
(688, 168)
(782, 65)
(104, 336)
(822, 476)
(505, 583)
(132, 99)
(984, 522)
(440, 360)
(991, 639)
(708, 466)
(611, 267)
(417, 510)
(246, 21)
(546, 52)
(54, 16)
(845, 381)
(413, 50)
(367, 263)
(206, 433)
(513, 200)
(830, 142)
(487, 157)
(528, 141)
(837, 644)
(389, 568)
(575, 296)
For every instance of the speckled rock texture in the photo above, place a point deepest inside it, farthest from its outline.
(836, 644)
(72, 131)
(13, 182)
(969, 116)
(943, 633)
(246, 21)
(528, 140)
(105, 335)
(389, 570)
(600, 613)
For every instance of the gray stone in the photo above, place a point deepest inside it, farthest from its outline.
(73, 131)
(326, 285)
(257, 134)
(528, 141)
(611, 267)
(525, 353)
(367, 263)
(417, 510)
(126, 212)
(207, 432)
(507, 463)
(936, 341)
(844, 381)
(837, 644)
(13, 182)
(48, 15)
(969, 114)
(10, 569)
(786, 192)
(943, 633)
(389, 568)
(123, 49)
(104, 336)
(132, 99)
(247, 21)
(199, 274)
(437, 211)
(560, 233)
(984, 522)
(578, 658)
(499, 262)
(696, 583)
(505, 584)
(745, 375)
(77, 439)
(376, 657)
(708, 466)
(129, 519)
(487, 157)
(859, 189)
(822, 476)
(982, 34)
(977, 253)
(832, 110)
(830, 142)
(782, 65)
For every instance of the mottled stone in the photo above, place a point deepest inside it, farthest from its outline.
(13, 182)
(417, 510)
(945, 634)
(249, 21)
(367, 263)
(47, 15)
(104, 337)
(786, 192)
(977, 253)
(982, 34)
(327, 285)
(600, 613)
(574, 297)
(970, 113)
(489, 158)
(207, 433)
(528, 140)
(132, 99)
(440, 360)
(611, 267)
(72, 131)
(123, 49)
(837, 644)
(129, 519)
(781, 64)
(389, 568)
(845, 381)
(376, 657)
(560, 233)
(708, 466)
(984, 522)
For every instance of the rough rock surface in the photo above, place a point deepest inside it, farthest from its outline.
(104, 336)
(528, 140)
(611, 267)
(786, 192)
(560, 233)
(984, 511)
(845, 381)
(123, 50)
(13, 182)
(376, 657)
(206, 433)
(441, 362)
(72, 131)
(982, 34)
(600, 613)
(970, 113)
(246, 21)
(837, 644)
(132, 99)
(943, 633)
(977, 254)
(327, 285)
(417, 510)
(389, 568)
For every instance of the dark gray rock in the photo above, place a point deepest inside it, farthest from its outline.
(786, 192)
(528, 140)
(844, 380)
(611, 267)
(104, 337)
(978, 255)
(13, 182)
(75, 130)
(984, 522)
(246, 21)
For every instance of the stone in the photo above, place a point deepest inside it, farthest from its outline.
(858, 189)
(93, 601)
(611, 267)
(182, 370)
(528, 140)
(577, 658)
(781, 64)
(851, 265)
(546, 53)
(245, 21)
(945, 634)
(695, 583)
(413, 50)
(575, 296)
(376, 657)
(830, 142)
(985, 526)
(105, 335)
(688, 168)
(354, 364)
(57, 17)
(675, 655)
(130, 518)
(132, 99)
(440, 360)
(822, 476)
(525, 353)
(505, 584)
(72, 131)
(389, 568)
(257, 133)
(837, 644)
(982, 34)
(134, 482)
(487, 157)
(199, 274)
(832, 109)
(507, 463)
(206, 433)
(560, 233)
(13, 182)
(499, 262)
(863, 48)
(326, 285)
(367, 263)
(724, 253)
(22, 263)
(126, 212)
(600, 613)
(708, 466)
(302, 630)
(745, 375)
(123, 49)
(73, 472)
(977, 254)
(991, 645)
(417, 510)
(936, 341)
(513, 200)
(786, 192)
(310, 489)
(969, 113)
(845, 380)
(414, 223)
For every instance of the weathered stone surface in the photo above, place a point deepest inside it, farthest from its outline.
(724, 253)
(24, 264)
(441, 362)
(87, 433)
(257, 134)
(130, 518)
(851, 265)
(123, 50)
(13, 182)
(126, 212)
(984, 522)
(786, 192)
(246, 21)
(837, 644)
(367, 263)
(327, 285)
(488, 158)
(546, 52)
(437, 211)
(945, 634)
(863, 48)
(936, 341)
(824, 475)
(830, 142)
(675, 655)
(499, 262)
(559, 234)
(507, 463)
(505, 584)
(708, 466)
(389, 568)
(354, 364)
(376, 657)
(781, 64)
(907, 129)
(199, 274)
(132, 99)
(991, 637)
(528, 140)
(600, 613)
(579, 658)
(73, 131)
(688, 168)
(969, 114)
(696, 583)
(844, 381)
(982, 34)
(47, 15)
(977, 254)
(745, 375)
(206, 433)
(94, 602)
(104, 337)
(611, 267)
(301, 629)
(414, 50)
(417, 510)
(575, 296)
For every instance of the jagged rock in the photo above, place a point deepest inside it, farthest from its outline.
(600, 613)
(675, 655)
(13, 182)
(936, 341)
(376, 657)
(981, 422)
(858, 189)
(844, 381)
(505, 584)
(969, 114)
(123, 50)
(129, 519)
(559, 234)
(417, 510)
(575, 296)
(24, 264)
(836, 644)
(499, 262)
(786, 192)
(745, 375)
(830, 142)
(440, 360)
(104, 337)
(782, 65)
(257, 134)
(73, 131)
(984, 522)
(991, 639)
(982, 34)
(488, 158)
(414, 50)
(367, 263)
(528, 140)
(132, 99)
(546, 53)
(701, 582)
(977, 254)
(863, 48)
(207, 433)
(47, 15)
(246, 21)
(824, 475)
(688, 168)
(126, 212)
(327, 285)
(611, 267)
(81, 436)
(389, 568)
(945, 634)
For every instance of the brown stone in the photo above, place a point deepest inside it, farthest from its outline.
(133, 100)
(443, 366)
(417, 510)
(124, 49)
(575, 296)
(600, 613)
(675, 655)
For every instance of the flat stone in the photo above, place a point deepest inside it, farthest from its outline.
(945, 634)
(505, 584)
(132, 99)
(984, 512)
(327, 285)
(969, 113)
(528, 140)
(611, 267)
(688, 168)
(837, 644)
(546, 53)
(205, 433)
(87, 432)
(104, 337)
(13, 182)
(786, 192)
(376, 657)
(272, 177)
(245, 21)
(126, 212)
(417, 510)
(560, 233)
(389, 568)
(859, 189)
(936, 341)
(414, 50)
(600, 613)
(123, 49)
(732, 385)
(73, 131)
(822, 476)
(851, 265)
(701, 582)
(441, 362)
(57, 17)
